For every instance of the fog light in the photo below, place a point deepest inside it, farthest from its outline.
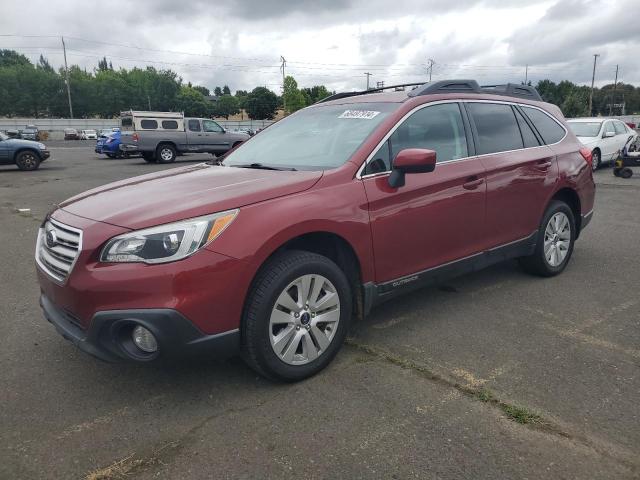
(144, 339)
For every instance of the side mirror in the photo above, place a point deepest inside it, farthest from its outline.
(608, 134)
(411, 160)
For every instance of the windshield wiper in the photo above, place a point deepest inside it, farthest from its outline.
(262, 166)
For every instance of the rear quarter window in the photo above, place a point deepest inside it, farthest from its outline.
(549, 129)
(149, 124)
(126, 122)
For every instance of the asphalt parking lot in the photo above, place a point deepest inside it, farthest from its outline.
(494, 375)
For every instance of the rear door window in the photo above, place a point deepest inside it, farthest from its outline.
(549, 129)
(148, 124)
(528, 136)
(194, 125)
(609, 128)
(496, 126)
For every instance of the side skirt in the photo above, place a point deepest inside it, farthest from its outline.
(375, 294)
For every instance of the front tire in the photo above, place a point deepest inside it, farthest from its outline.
(166, 153)
(296, 316)
(554, 242)
(28, 161)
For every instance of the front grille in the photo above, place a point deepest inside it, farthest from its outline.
(57, 249)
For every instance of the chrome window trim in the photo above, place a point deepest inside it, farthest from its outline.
(37, 253)
(360, 176)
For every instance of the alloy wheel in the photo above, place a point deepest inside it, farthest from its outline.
(557, 239)
(304, 319)
(166, 154)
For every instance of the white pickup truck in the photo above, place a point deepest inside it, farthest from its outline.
(162, 136)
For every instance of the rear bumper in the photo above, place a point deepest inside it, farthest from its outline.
(109, 335)
(128, 148)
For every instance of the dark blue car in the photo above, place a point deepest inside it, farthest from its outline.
(26, 154)
(110, 145)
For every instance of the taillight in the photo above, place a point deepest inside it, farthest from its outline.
(135, 137)
(587, 155)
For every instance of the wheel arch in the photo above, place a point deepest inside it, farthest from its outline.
(572, 199)
(25, 149)
(328, 244)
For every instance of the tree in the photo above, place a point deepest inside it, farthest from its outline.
(193, 103)
(315, 93)
(203, 90)
(217, 92)
(292, 98)
(261, 104)
(225, 106)
(226, 90)
(10, 58)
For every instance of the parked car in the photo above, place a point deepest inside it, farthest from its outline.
(604, 137)
(30, 132)
(88, 135)
(12, 133)
(328, 212)
(162, 136)
(71, 134)
(26, 154)
(110, 146)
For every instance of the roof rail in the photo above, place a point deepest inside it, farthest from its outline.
(471, 86)
(337, 96)
(451, 86)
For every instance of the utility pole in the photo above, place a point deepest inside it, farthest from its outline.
(149, 99)
(613, 95)
(526, 74)
(368, 75)
(593, 79)
(66, 74)
(430, 67)
(283, 64)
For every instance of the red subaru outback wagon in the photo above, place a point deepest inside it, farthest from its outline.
(314, 221)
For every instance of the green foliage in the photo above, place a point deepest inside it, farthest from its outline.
(203, 90)
(261, 104)
(315, 93)
(225, 106)
(11, 58)
(292, 98)
(226, 90)
(217, 92)
(193, 103)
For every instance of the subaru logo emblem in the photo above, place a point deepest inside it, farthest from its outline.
(51, 238)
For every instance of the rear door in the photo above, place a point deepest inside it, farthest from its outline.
(436, 217)
(520, 179)
(215, 137)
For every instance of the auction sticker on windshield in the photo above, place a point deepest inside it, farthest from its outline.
(362, 114)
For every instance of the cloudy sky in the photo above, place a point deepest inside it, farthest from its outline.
(334, 42)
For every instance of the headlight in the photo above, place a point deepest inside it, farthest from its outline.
(42, 146)
(167, 243)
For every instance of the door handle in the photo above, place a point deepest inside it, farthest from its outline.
(472, 183)
(543, 165)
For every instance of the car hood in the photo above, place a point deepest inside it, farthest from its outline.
(176, 194)
(18, 142)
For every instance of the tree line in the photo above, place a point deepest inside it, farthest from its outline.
(38, 90)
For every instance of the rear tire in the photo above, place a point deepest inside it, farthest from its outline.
(28, 161)
(291, 344)
(166, 153)
(149, 157)
(554, 242)
(626, 172)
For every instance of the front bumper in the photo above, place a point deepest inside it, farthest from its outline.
(44, 154)
(109, 334)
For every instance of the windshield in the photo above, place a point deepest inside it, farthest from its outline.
(585, 129)
(316, 138)
(3, 136)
